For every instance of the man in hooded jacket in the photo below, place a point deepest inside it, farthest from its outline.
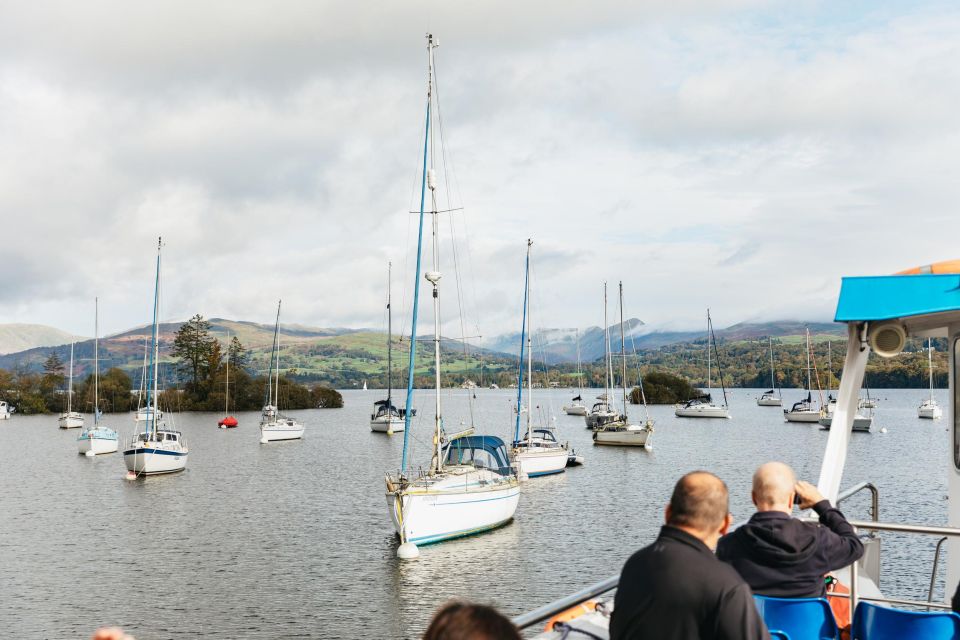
(778, 555)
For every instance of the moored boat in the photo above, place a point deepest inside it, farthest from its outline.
(70, 419)
(274, 426)
(99, 439)
(703, 406)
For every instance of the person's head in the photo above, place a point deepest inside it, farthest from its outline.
(464, 621)
(774, 487)
(700, 505)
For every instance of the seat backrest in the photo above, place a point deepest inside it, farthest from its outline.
(873, 622)
(776, 634)
(801, 618)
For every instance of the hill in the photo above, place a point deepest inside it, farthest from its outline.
(19, 337)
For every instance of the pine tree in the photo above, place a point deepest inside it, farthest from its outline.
(194, 347)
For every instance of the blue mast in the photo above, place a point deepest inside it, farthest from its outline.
(523, 343)
(416, 276)
(151, 412)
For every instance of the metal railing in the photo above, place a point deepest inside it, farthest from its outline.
(874, 497)
(531, 618)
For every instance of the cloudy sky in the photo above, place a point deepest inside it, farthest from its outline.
(732, 153)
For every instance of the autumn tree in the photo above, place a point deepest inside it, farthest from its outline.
(198, 354)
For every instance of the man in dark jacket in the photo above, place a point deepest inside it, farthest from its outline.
(676, 589)
(779, 555)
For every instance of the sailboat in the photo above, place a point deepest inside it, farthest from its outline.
(862, 421)
(156, 449)
(99, 439)
(602, 410)
(702, 406)
(386, 418)
(770, 398)
(275, 426)
(929, 409)
(70, 419)
(537, 453)
(621, 432)
(228, 421)
(470, 485)
(804, 411)
(576, 406)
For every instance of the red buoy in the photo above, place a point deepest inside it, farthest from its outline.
(228, 422)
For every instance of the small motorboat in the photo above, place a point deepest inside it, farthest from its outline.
(228, 423)
(574, 459)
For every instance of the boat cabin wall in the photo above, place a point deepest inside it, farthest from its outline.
(953, 461)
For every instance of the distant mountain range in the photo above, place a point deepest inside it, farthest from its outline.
(19, 337)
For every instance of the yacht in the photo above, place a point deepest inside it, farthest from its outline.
(70, 419)
(275, 426)
(5, 410)
(386, 418)
(470, 485)
(602, 412)
(929, 409)
(770, 398)
(805, 410)
(576, 407)
(156, 449)
(702, 406)
(98, 439)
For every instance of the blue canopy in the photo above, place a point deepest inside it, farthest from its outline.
(493, 445)
(873, 298)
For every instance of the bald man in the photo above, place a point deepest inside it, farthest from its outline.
(779, 555)
(676, 589)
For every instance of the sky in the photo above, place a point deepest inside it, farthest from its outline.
(736, 154)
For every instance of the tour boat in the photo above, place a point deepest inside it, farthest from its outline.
(470, 485)
(156, 449)
(98, 439)
(576, 406)
(228, 421)
(805, 410)
(620, 432)
(770, 398)
(70, 419)
(275, 426)
(386, 418)
(929, 409)
(702, 406)
(537, 452)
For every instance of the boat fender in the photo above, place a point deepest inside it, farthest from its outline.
(570, 614)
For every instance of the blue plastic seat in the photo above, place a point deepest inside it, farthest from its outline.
(801, 618)
(873, 622)
(776, 634)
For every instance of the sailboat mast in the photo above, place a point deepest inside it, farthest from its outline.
(416, 277)
(708, 351)
(579, 375)
(773, 382)
(930, 366)
(96, 361)
(808, 360)
(70, 384)
(623, 356)
(276, 349)
(523, 343)
(389, 344)
(606, 348)
(154, 351)
(526, 297)
(226, 400)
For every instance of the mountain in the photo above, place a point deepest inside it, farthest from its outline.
(20, 337)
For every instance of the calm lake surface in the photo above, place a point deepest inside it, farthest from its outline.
(294, 539)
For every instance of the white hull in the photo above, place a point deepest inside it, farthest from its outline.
(541, 461)
(702, 411)
(4, 415)
(802, 416)
(72, 420)
(453, 506)
(281, 430)
(97, 443)
(629, 436)
(861, 424)
(148, 461)
(766, 401)
(385, 425)
(929, 411)
(575, 410)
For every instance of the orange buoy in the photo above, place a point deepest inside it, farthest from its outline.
(947, 266)
(570, 614)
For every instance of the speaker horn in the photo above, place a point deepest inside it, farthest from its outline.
(887, 339)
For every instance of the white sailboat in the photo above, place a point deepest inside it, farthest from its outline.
(576, 406)
(805, 410)
(772, 397)
(602, 410)
(862, 420)
(5, 410)
(929, 409)
(470, 485)
(621, 432)
(70, 419)
(156, 449)
(703, 406)
(275, 426)
(98, 439)
(386, 418)
(537, 453)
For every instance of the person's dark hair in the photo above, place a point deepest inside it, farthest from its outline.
(464, 621)
(700, 500)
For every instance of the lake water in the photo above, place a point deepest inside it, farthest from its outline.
(294, 540)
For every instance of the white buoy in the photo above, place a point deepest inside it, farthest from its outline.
(883, 429)
(408, 551)
(523, 477)
(131, 475)
(264, 440)
(89, 454)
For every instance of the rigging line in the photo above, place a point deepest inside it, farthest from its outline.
(719, 368)
(643, 394)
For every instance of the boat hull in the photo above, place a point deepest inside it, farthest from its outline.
(71, 420)
(150, 461)
(388, 426)
(769, 402)
(861, 424)
(802, 416)
(702, 411)
(426, 516)
(929, 411)
(277, 431)
(537, 462)
(575, 410)
(631, 436)
(97, 443)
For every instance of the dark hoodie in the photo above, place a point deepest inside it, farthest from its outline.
(778, 555)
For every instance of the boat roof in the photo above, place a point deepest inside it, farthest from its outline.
(490, 443)
(920, 301)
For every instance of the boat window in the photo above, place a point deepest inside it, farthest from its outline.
(956, 403)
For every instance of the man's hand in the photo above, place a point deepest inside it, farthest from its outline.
(807, 494)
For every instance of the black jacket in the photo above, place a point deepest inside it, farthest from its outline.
(781, 556)
(676, 589)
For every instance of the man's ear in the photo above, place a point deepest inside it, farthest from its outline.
(726, 524)
(666, 514)
(753, 498)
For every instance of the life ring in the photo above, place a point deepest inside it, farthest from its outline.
(572, 613)
(947, 266)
